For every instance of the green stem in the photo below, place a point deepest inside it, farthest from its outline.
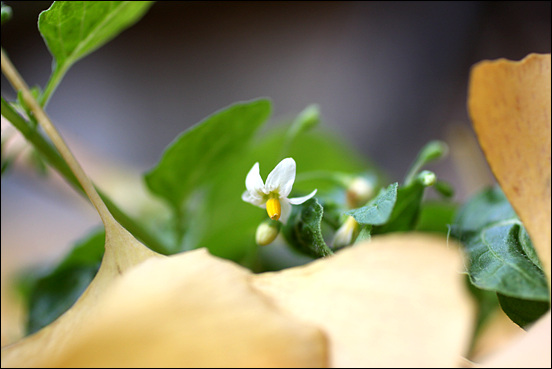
(55, 160)
(433, 150)
(51, 85)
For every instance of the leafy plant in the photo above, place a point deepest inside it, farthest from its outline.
(201, 177)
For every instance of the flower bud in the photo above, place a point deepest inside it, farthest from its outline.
(359, 191)
(346, 234)
(267, 232)
(427, 178)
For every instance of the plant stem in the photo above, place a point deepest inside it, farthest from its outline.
(51, 155)
(67, 165)
(51, 86)
(19, 84)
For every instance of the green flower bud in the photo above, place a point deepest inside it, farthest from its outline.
(427, 178)
(267, 232)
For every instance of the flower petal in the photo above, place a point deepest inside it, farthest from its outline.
(252, 198)
(300, 200)
(253, 181)
(282, 177)
(285, 210)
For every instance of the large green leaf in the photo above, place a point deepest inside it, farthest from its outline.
(501, 256)
(49, 293)
(74, 29)
(198, 154)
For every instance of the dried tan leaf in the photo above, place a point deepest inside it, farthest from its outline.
(496, 333)
(509, 104)
(531, 350)
(191, 310)
(123, 252)
(400, 300)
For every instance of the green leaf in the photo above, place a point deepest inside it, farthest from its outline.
(498, 248)
(523, 312)
(6, 13)
(365, 234)
(49, 294)
(487, 207)
(436, 216)
(303, 230)
(201, 151)
(74, 29)
(379, 209)
(406, 210)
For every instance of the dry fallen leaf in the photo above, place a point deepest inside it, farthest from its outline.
(191, 310)
(509, 104)
(123, 252)
(400, 300)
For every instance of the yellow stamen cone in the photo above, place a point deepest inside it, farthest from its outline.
(273, 208)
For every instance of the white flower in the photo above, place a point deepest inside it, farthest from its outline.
(274, 194)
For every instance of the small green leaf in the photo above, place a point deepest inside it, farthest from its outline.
(74, 29)
(6, 13)
(436, 216)
(406, 210)
(198, 153)
(379, 209)
(365, 234)
(303, 229)
(49, 294)
(499, 250)
(523, 312)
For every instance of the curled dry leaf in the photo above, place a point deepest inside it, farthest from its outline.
(399, 300)
(509, 104)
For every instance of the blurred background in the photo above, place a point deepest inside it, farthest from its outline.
(388, 77)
